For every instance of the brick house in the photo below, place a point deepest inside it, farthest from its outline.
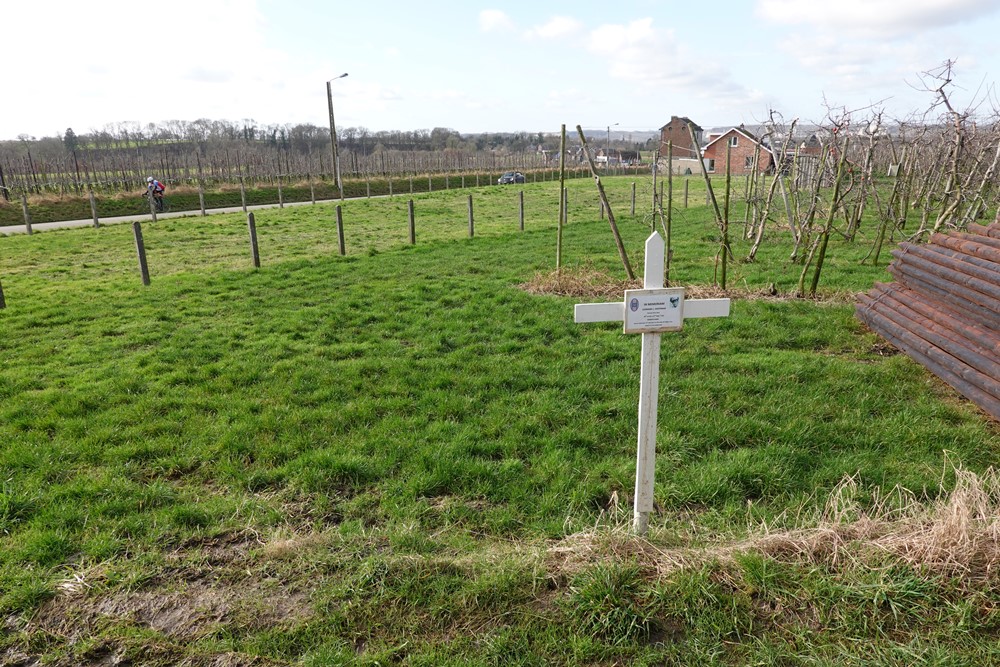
(744, 147)
(676, 131)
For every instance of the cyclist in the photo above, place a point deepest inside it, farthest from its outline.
(155, 190)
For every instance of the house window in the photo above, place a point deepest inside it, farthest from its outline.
(734, 141)
(711, 165)
(748, 164)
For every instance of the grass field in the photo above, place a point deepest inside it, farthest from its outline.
(402, 456)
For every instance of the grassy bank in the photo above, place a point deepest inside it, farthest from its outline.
(185, 197)
(402, 456)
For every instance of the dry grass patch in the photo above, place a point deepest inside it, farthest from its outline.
(587, 282)
(957, 535)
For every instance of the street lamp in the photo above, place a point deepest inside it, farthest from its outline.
(608, 149)
(333, 136)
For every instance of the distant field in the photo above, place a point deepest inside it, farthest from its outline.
(403, 457)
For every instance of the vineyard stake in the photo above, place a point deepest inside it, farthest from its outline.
(413, 224)
(254, 250)
(471, 223)
(27, 216)
(520, 208)
(93, 206)
(140, 249)
(340, 230)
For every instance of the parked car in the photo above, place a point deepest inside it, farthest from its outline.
(511, 177)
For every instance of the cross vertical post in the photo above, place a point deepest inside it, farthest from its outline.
(649, 382)
(650, 311)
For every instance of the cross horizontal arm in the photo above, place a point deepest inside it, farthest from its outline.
(615, 311)
(706, 308)
(599, 312)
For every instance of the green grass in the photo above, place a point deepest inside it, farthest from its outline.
(375, 458)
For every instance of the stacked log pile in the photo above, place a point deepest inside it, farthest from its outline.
(943, 310)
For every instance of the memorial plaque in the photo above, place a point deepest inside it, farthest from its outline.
(654, 310)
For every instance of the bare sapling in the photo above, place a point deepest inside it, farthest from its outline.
(606, 205)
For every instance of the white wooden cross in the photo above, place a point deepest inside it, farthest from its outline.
(650, 311)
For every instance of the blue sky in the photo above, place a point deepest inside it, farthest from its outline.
(485, 66)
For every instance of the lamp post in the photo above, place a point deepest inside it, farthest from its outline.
(608, 149)
(333, 136)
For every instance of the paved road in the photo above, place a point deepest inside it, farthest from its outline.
(89, 222)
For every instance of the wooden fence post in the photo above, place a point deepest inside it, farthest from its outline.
(312, 190)
(340, 230)
(27, 216)
(3, 302)
(472, 228)
(281, 198)
(633, 198)
(413, 224)
(201, 198)
(368, 187)
(140, 249)
(390, 187)
(254, 251)
(152, 205)
(686, 183)
(93, 206)
(520, 208)
(243, 195)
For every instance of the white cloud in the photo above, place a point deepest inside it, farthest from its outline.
(555, 27)
(653, 58)
(494, 20)
(887, 18)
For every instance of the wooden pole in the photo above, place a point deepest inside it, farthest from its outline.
(472, 228)
(27, 216)
(93, 206)
(413, 223)
(201, 188)
(140, 249)
(687, 182)
(243, 194)
(520, 208)
(670, 205)
(340, 230)
(201, 198)
(254, 252)
(633, 198)
(710, 193)
(281, 198)
(562, 202)
(3, 302)
(725, 219)
(152, 205)
(604, 200)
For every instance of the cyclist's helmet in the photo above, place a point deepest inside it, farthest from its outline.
(149, 179)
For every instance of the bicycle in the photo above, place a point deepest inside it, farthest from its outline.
(160, 203)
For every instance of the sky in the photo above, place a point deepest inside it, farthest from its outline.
(486, 66)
